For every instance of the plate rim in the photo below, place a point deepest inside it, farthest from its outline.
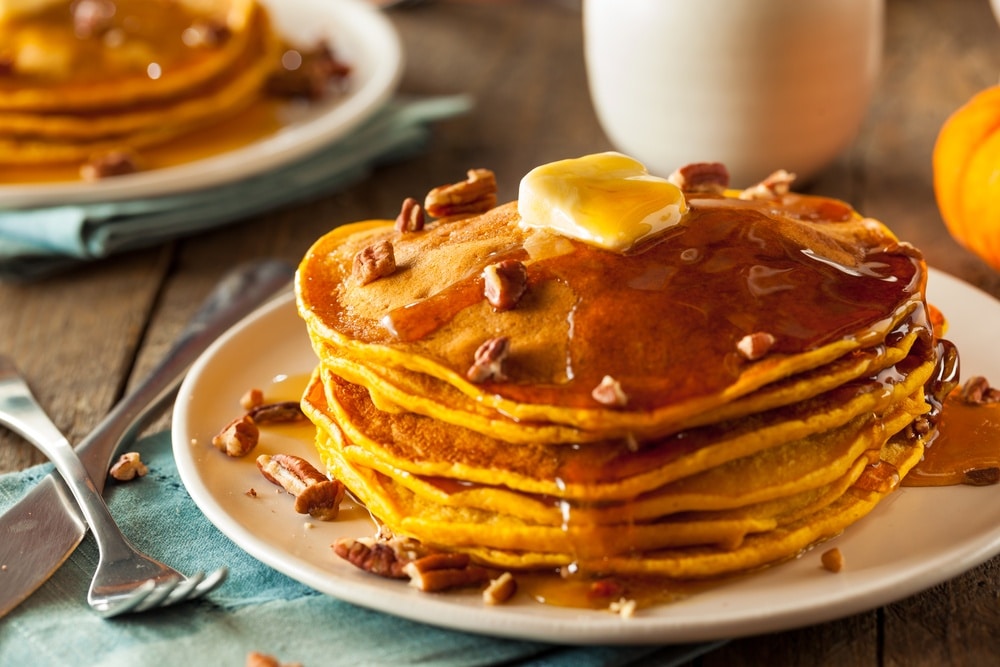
(586, 627)
(381, 50)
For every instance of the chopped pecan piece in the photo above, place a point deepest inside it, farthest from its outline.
(609, 392)
(489, 360)
(832, 560)
(274, 413)
(239, 437)
(755, 345)
(252, 398)
(372, 556)
(476, 194)
(712, 177)
(504, 283)
(373, 262)
(106, 165)
(977, 390)
(500, 589)
(411, 217)
(444, 571)
(128, 466)
(624, 607)
(315, 494)
(308, 73)
(775, 185)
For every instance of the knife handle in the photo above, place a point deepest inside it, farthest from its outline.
(239, 294)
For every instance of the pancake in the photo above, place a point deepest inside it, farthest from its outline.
(27, 138)
(733, 380)
(101, 88)
(60, 67)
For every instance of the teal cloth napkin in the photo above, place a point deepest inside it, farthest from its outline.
(256, 609)
(37, 241)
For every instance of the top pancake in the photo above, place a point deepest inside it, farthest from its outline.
(663, 320)
(59, 69)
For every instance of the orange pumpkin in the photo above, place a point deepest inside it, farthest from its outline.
(966, 165)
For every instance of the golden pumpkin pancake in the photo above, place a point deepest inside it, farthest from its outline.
(619, 374)
(98, 56)
(97, 88)
(27, 138)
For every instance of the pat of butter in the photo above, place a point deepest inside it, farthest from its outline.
(606, 199)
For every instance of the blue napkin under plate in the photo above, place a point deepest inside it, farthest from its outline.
(37, 241)
(256, 609)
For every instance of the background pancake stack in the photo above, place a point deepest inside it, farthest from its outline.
(722, 396)
(79, 79)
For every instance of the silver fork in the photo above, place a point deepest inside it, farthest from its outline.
(126, 580)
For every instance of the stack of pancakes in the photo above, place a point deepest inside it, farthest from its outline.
(80, 79)
(712, 457)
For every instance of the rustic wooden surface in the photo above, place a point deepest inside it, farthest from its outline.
(82, 337)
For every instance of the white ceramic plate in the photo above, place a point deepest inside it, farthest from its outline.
(917, 538)
(359, 34)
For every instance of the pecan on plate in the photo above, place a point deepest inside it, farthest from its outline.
(239, 437)
(315, 494)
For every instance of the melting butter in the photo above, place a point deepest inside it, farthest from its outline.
(605, 199)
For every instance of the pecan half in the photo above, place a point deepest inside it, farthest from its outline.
(373, 262)
(609, 392)
(504, 283)
(476, 194)
(710, 177)
(444, 571)
(315, 494)
(777, 184)
(372, 556)
(411, 217)
(239, 437)
(489, 360)
(755, 345)
(128, 466)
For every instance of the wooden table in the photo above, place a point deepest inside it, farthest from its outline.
(82, 337)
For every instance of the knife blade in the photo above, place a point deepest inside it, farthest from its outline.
(45, 526)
